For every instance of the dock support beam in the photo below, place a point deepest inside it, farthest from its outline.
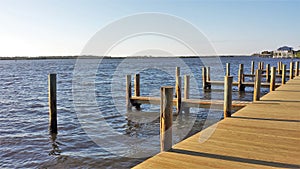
(177, 84)
(241, 87)
(252, 67)
(128, 92)
(273, 78)
(52, 104)
(186, 91)
(205, 85)
(279, 67)
(178, 92)
(283, 74)
(227, 69)
(186, 86)
(208, 74)
(291, 70)
(268, 72)
(297, 68)
(227, 95)
(262, 65)
(137, 90)
(166, 106)
(257, 85)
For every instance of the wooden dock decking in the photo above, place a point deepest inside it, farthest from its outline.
(264, 134)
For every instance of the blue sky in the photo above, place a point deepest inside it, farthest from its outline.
(63, 27)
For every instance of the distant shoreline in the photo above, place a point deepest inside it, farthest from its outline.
(107, 57)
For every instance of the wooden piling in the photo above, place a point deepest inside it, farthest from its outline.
(257, 85)
(186, 91)
(252, 67)
(283, 74)
(273, 79)
(241, 87)
(128, 92)
(204, 82)
(291, 70)
(268, 72)
(137, 90)
(227, 95)
(208, 86)
(52, 103)
(186, 86)
(177, 75)
(262, 65)
(227, 69)
(178, 91)
(166, 106)
(297, 68)
(279, 67)
(208, 73)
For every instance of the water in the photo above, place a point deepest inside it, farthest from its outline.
(83, 138)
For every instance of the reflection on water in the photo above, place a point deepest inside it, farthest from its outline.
(24, 139)
(55, 145)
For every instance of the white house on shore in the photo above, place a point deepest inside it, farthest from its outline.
(283, 52)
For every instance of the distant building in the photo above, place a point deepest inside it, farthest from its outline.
(266, 54)
(297, 53)
(283, 52)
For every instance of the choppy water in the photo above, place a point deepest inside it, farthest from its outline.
(94, 129)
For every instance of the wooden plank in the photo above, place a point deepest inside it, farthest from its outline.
(187, 102)
(246, 84)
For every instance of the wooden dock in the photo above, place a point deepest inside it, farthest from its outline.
(264, 134)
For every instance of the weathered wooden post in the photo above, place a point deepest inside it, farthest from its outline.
(186, 87)
(137, 90)
(128, 92)
(208, 77)
(262, 65)
(283, 74)
(241, 86)
(178, 91)
(257, 84)
(166, 106)
(208, 73)
(252, 67)
(273, 79)
(177, 75)
(259, 65)
(291, 70)
(204, 82)
(227, 69)
(52, 103)
(227, 95)
(297, 68)
(268, 72)
(186, 91)
(279, 67)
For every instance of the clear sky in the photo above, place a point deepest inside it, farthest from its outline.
(63, 27)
